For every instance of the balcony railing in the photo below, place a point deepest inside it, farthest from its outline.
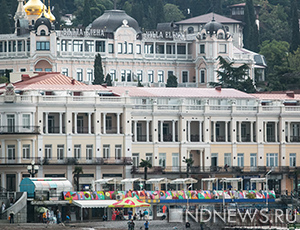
(112, 130)
(83, 130)
(142, 138)
(19, 129)
(54, 129)
(68, 160)
(168, 138)
(153, 170)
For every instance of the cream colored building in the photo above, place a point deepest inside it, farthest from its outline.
(59, 123)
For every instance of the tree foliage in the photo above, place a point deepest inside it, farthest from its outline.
(189, 163)
(172, 13)
(172, 81)
(145, 164)
(108, 80)
(98, 71)
(295, 26)
(233, 77)
(76, 174)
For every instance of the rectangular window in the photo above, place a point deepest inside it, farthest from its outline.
(128, 74)
(136, 159)
(112, 73)
(106, 151)
(11, 152)
(26, 151)
(214, 159)
(60, 152)
(138, 49)
(181, 49)
(118, 151)
(140, 75)
(89, 46)
(130, 48)
(123, 74)
(108, 123)
(170, 49)
(111, 48)
(162, 160)
(202, 49)
(77, 151)
(149, 157)
(21, 46)
(89, 152)
(64, 71)
(48, 151)
(148, 48)
(292, 159)
(120, 48)
(160, 75)
(222, 48)
(42, 45)
(175, 161)
(150, 76)
(227, 159)
(64, 45)
(272, 159)
(253, 160)
(202, 76)
(77, 46)
(170, 73)
(26, 121)
(89, 75)
(240, 159)
(100, 46)
(79, 73)
(185, 76)
(125, 48)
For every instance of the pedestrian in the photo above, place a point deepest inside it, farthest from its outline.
(48, 216)
(44, 217)
(131, 225)
(11, 217)
(145, 214)
(58, 214)
(129, 214)
(146, 224)
(3, 207)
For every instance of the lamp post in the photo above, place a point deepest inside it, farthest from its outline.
(32, 169)
(267, 188)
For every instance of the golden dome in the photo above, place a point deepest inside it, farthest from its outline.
(34, 7)
(51, 16)
(44, 12)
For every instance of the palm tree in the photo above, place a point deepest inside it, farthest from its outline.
(76, 174)
(145, 164)
(189, 162)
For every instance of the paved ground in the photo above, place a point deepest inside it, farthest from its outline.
(108, 225)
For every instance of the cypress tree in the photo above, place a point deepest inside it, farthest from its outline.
(87, 19)
(295, 27)
(108, 80)
(98, 71)
(172, 81)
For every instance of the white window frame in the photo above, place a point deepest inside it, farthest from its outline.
(162, 159)
(79, 74)
(120, 46)
(253, 159)
(202, 80)
(160, 76)
(26, 121)
(26, 151)
(48, 151)
(240, 159)
(150, 76)
(89, 75)
(65, 71)
(187, 76)
(77, 151)
(89, 152)
(106, 151)
(293, 160)
(118, 151)
(136, 159)
(272, 160)
(60, 152)
(149, 157)
(222, 48)
(227, 159)
(11, 152)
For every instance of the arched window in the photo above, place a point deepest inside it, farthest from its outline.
(43, 33)
(191, 30)
(220, 36)
(203, 36)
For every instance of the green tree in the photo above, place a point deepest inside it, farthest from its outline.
(145, 164)
(98, 71)
(172, 13)
(233, 77)
(189, 163)
(108, 80)
(295, 26)
(57, 14)
(4, 19)
(3, 79)
(76, 174)
(172, 81)
(87, 19)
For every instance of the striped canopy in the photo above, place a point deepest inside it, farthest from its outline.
(129, 202)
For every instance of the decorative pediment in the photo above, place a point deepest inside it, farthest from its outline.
(10, 94)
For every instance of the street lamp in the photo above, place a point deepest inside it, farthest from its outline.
(267, 188)
(32, 169)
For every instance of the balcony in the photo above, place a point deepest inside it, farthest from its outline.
(54, 129)
(153, 170)
(112, 130)
(168, 138)
(83, 130)
(142, 138)
(19, 130)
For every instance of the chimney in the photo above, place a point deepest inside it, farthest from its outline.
(290, 94)
(25, 77)
(218, 88)
(73, 81)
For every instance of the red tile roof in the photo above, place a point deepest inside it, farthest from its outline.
(180, 92)
(203, 19)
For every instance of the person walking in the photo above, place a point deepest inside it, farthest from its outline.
(3, 207)
(11, 219)
(146, 224)
(58, 214)
(131, 225)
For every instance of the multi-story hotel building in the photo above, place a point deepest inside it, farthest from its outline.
(61, 123)
(188, 49)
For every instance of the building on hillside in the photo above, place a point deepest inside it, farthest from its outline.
(128, 54)
(61, 123)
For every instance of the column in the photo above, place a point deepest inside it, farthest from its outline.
(240, 131)
(33, 148)
(18, 122)
(135, 130)
(200, 131)
(60, 123)
(147, 130)
(3, 153)
(118, 123)
(251, 131)
(19, 157)
(189, 131)
(276, 131)
(265, 129)
(46, 122)
(161, 131)
(288, 131)
(201, 159)
(89, 123)
(214, 131)
(104, 123)
(226, 131)
(3, 180)
(173, 131)
(75, 123)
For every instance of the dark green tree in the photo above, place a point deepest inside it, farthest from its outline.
(233, 77)
(108, 80)
(3, 79)
(145, 164)
(172, 81)
(87, 19)
(189, 163)
(76, 174)
(98, 71)
(57, 14)
(172, 13)
(295, 26)
(140, 84)
(4, 19)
